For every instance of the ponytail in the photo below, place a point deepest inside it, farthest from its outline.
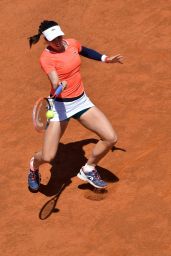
(34, 39)
(43, 26)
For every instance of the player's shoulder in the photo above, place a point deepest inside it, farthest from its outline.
(44, 57)
(74, 43)
(44, 54)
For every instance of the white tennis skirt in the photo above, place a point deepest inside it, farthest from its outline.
(65, 110)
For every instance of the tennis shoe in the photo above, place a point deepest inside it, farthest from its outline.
(92, 177)
(34, 180)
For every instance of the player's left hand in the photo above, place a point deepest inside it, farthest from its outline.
(115, 59)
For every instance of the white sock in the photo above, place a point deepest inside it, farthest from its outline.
(88, 168)
(31, 164)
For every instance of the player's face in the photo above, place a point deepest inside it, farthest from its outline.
(57, 44)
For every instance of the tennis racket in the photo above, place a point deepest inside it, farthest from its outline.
(41, 106)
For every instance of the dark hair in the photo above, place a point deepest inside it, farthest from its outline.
(43, 26)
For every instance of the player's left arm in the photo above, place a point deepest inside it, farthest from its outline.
(92, 54)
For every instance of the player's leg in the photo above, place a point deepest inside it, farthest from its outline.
(52, 137)
(97, 122)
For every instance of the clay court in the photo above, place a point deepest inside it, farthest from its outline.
(133, 217)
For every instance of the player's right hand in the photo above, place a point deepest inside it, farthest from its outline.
(64, 84)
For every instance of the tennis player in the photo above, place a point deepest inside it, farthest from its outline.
(61, 61)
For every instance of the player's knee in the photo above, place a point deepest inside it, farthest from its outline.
(112, 140)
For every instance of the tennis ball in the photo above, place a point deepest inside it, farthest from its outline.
(49, 114)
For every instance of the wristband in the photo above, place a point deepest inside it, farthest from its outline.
(103, 58)
(59, 89)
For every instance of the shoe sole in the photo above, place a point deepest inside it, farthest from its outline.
(84, 178)
(33, 190)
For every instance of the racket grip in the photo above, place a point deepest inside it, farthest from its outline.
(59, 90)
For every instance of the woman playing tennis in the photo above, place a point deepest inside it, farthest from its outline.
(61, 61)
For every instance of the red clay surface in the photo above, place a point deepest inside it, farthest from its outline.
(134, 217)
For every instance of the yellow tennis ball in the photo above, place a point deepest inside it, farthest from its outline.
(49, 114)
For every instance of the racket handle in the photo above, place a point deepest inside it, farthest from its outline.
(58, 90)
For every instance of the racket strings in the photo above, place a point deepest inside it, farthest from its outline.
(39, 114)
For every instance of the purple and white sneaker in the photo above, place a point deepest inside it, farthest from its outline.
(92, 177)
(34, 178)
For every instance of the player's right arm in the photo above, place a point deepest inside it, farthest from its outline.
(48, 67)
(54, 79)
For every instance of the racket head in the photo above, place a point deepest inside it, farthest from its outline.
(40, 108)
